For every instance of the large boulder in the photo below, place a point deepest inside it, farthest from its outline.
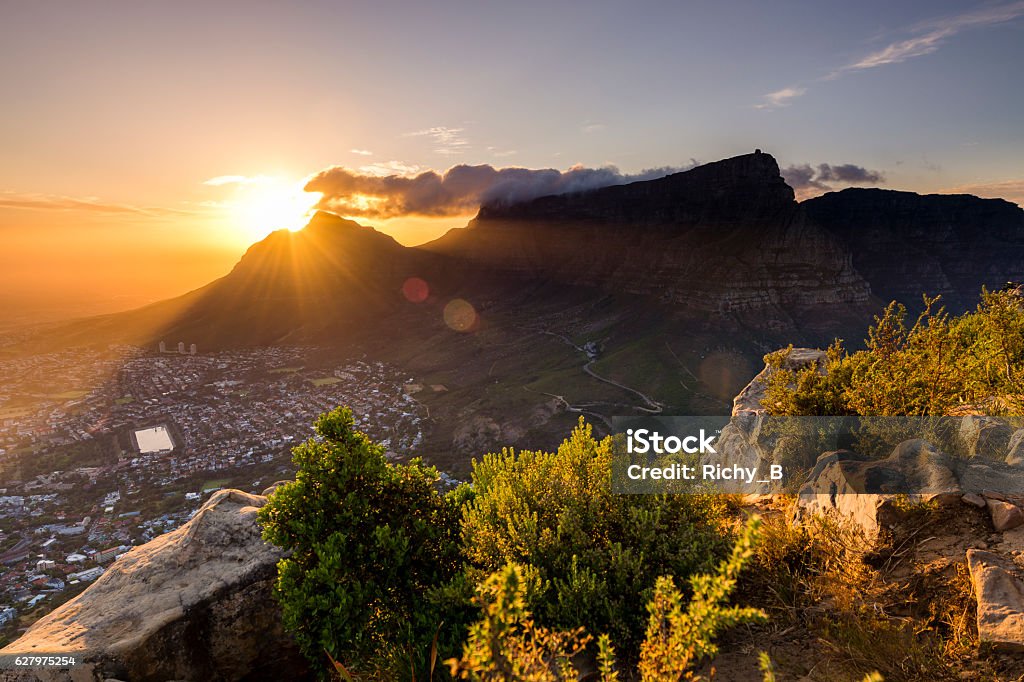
(983, 436)
(870, 492)
(194, 604)
(865, 492)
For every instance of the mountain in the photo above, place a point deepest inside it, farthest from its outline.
(725, 243)
(308, 286)
(656, 296)
(721, 239)
(905, 243)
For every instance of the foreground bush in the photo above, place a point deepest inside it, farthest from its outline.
(382, 567)
(678, 638)
(374, 554)
(506, 644)
(938, 364)
(596, 554)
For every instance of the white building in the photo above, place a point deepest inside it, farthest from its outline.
(154, 440)
(86, 575)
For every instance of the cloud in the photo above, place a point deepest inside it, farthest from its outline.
(810, 180)
(1011, 190)
(780, 98)
(932, 34)
(460, 190)
(55, 202)
(221, 180)
(923, 39)
(386, 168)
(448, 140)
(590, 128)
(361, 152)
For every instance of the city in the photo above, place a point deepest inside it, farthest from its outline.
(103, 450)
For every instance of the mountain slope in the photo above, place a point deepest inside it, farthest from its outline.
(906, 244)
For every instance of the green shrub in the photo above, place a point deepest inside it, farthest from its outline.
(676, 638)
(506, 644)
(596, 553)
(373, 566)
(940, 363)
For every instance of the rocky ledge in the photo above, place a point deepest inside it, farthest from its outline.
(194, 604)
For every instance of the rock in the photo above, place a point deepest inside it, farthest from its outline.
(666, 238)
(1005, 516)
(748, 401)
(1000, 593)
(974, 499)
(267, 492)
(984, 436)
(194, 604)
(863, 491)
(992, 478)
(1015, 452)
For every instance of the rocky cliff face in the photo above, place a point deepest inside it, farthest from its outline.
(906, 244)
(194, 604)
(723, 238)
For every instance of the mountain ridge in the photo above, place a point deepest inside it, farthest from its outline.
(726, 239)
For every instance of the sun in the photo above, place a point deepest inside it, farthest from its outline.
(272, 204)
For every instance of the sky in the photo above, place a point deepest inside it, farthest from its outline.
(146, 145)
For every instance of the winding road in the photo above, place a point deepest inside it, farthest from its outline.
(654, 406)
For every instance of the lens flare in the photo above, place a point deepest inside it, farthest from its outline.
(415, 290)
(460, 315)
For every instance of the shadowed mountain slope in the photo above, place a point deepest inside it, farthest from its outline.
(726, 238)
(906, 244)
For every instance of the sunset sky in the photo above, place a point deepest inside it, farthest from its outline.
(145, 145)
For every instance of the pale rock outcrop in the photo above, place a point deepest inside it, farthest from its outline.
(749, 400)
(1000, 592)
(863, 491)
(194, 604)
(740, 442)
(1015, 452)
(983, 436)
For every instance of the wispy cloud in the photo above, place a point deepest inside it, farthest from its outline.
(932, 34)
(221, 180)
(922, 39)
(361, 152)
(780, 98)
(448, 140)
(590, 128)
(56, 202)
(501, 153)
(385, 168)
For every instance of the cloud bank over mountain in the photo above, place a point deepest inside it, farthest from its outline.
(810, 180)
(461, 189)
